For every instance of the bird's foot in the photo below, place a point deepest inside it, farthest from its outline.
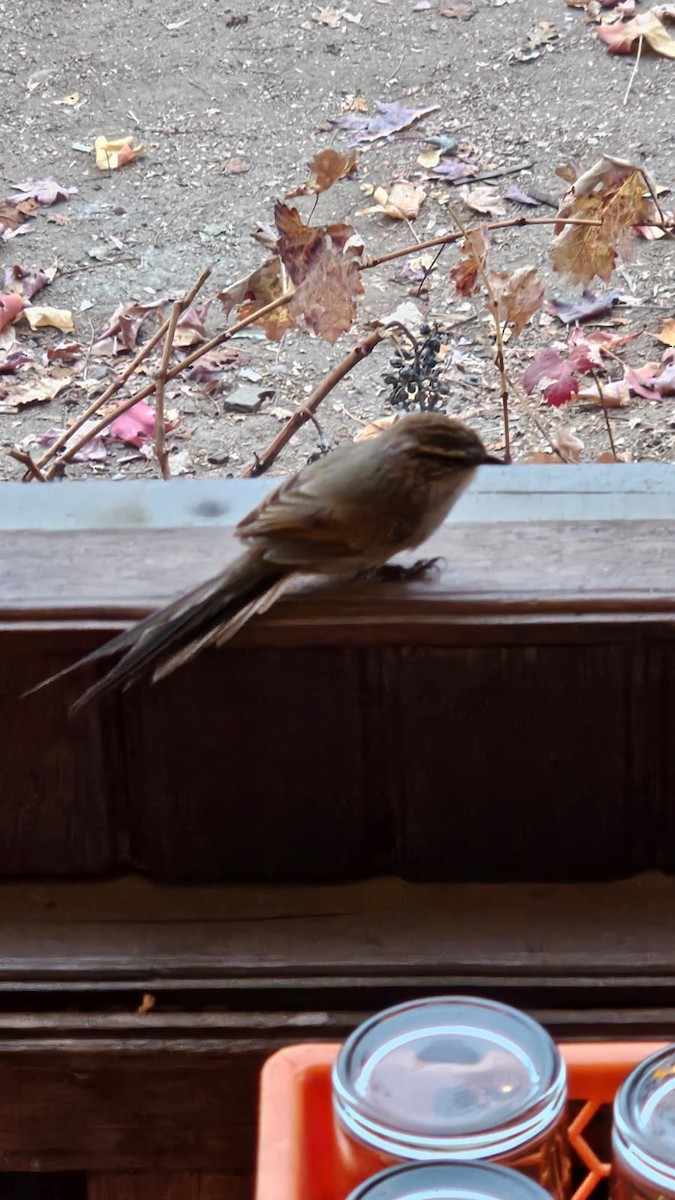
(423, 568)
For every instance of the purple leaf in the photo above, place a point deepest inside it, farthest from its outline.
(589, 304)
(514, 193)
(43, 191)
(391, 118)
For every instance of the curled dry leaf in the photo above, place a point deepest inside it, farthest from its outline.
(27, 283)
(11, 306)
(254, 292)
(330, 17)
(621, 36)
(615, 393)
(589, 304)
(57, 318)
(325, 169)
(519, 296)
(569, 446)
(113, 154)
(375, 428)
(402, 201)
(483, 199)
(466, 274)
(667, 332)
(35, 390)
(42, 191)
(322, 261)
(611, 192)
(137, 424)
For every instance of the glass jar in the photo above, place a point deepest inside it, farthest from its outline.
(452, 1078)
(449, 1181)
(643, 1132)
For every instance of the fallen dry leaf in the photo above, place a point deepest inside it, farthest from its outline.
(569, 446)
(236, 166)
(375, 428)
(402, 201)
(42, 191)
(328, 16)
(57, 318)
(11, 306)
(588, 305)
(147, 1003)
(137, 424)
(27, 283)
(325, 169)
(614, 393)
(483, 199)
(113, 154)
(391, 118)
(620, 36)
(35, 390)
(667, 332)
(554, 376)
(460, 10)
(519, 295)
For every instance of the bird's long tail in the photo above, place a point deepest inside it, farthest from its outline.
(209, 615)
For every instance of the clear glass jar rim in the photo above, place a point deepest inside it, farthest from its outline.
(632, 1146)
(519, 1132)
(413, 1181)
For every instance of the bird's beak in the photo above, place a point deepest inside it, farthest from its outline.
(497, 462)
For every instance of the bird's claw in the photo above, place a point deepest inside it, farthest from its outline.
(406, 573)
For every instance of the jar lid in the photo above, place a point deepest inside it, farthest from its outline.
(447, 1078)
(449, 1181)
(644, 1118)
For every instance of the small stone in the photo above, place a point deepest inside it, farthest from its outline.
(246, 399)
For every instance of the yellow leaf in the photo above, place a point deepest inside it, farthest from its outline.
(612, 195)
(429, 159)
(402, 201)
(113, 154)
(59, 318)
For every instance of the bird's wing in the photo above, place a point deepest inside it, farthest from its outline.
(297, 525)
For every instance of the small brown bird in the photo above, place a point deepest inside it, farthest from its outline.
(346, 513)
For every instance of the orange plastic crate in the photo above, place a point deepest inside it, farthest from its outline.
(298, 1157)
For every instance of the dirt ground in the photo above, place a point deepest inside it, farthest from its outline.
(212, 88)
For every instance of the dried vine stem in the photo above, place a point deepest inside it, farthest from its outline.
(161, 452)
(493, 307)
(604, 409)
(146, 391)
(23, 457)
(118, 383)
(262, 462)
(447, 238)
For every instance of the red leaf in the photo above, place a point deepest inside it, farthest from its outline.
(549, 366)
(136, 425)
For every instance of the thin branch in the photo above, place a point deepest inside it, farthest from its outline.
(144, 392)
(604, 409)
(262, 462)
(119, 382)
(161, 452)
(23, 457)
(448, 238)
(493, 306)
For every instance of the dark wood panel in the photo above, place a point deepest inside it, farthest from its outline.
(127, 1106)
(169, 1185)
(65, 1185)
(522, 763)
(259, 776)
(62, 782)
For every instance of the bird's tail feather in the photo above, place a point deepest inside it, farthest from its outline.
(212, 613)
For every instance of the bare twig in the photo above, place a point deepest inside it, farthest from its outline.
(119, 382)
(176, 369)
(448, 238)
(633, 73)
(23, 457)
(161, 452)
(262, 462)
(604, 409)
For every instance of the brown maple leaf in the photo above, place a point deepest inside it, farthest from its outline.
(322, 261)
(326, 168)
(474, 256)
(611, 193)
(519, 296)
(254, 292)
